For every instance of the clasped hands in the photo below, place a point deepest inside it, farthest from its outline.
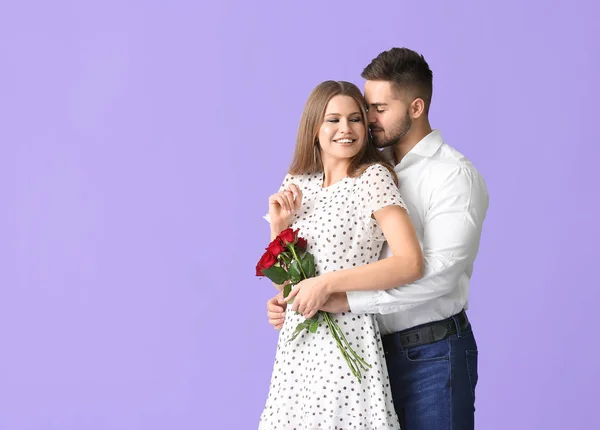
(306, 296)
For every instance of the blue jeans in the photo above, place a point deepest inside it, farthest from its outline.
(433, 385)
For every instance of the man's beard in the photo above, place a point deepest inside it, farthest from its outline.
(396, 135)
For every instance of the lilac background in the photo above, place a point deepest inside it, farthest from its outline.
(139, 142)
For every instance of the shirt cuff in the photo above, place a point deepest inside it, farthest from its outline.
(363, 302)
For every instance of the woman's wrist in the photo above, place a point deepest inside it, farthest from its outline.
(329, 284)
(276, 229)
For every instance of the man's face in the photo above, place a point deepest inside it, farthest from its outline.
(389, 118)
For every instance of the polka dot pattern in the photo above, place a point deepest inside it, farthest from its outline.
(311, 385)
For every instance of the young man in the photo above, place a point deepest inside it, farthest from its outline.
(430, 348)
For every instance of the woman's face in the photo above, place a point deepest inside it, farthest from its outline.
(343, 132)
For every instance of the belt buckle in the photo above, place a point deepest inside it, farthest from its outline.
(439, 332)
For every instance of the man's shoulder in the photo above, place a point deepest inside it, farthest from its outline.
(450, 161)
(448, 169)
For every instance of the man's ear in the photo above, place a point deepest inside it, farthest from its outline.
(417, 108)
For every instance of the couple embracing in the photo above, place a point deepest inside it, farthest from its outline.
(393, 216)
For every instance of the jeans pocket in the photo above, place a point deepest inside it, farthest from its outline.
(436, 351)
(472, 356)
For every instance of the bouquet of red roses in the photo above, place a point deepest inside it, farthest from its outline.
(286, 261)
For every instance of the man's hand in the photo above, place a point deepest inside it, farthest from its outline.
(336, 304)
(276, 307)
(276, 311)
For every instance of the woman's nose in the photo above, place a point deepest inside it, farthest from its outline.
(344, 126)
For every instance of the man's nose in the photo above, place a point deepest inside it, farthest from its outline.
(371, 117)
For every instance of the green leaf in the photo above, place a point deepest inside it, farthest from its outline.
(314, 326)
(276, 274)
(295, 272)
(308, 264)
(299, 329)
(287, 289)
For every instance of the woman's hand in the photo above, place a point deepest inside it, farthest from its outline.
(282, 207)
(309, 296)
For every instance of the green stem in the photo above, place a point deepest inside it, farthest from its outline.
(355, 362)
(291, 246)
(356, 356)
(331, 324)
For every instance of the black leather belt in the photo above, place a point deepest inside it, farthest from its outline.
(428, 333)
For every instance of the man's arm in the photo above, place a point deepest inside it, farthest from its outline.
(452, 231)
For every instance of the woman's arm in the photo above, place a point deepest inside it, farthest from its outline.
(277, 228)
(404, 266)
(282, 206)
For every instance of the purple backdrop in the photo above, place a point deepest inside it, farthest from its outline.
(139, 142)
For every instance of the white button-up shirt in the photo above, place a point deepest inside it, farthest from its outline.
(447, 201)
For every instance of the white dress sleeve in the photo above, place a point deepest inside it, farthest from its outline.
(377, 190)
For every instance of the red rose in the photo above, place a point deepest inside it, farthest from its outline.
(275, 247)
(266, 261)
(301, 244)
(288, 236)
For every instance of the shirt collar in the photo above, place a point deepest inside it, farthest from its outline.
(429, 145)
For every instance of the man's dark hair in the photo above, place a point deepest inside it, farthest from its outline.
(406, 70)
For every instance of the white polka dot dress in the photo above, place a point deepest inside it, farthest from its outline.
(311, 385)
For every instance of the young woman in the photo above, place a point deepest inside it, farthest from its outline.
(343, 196)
